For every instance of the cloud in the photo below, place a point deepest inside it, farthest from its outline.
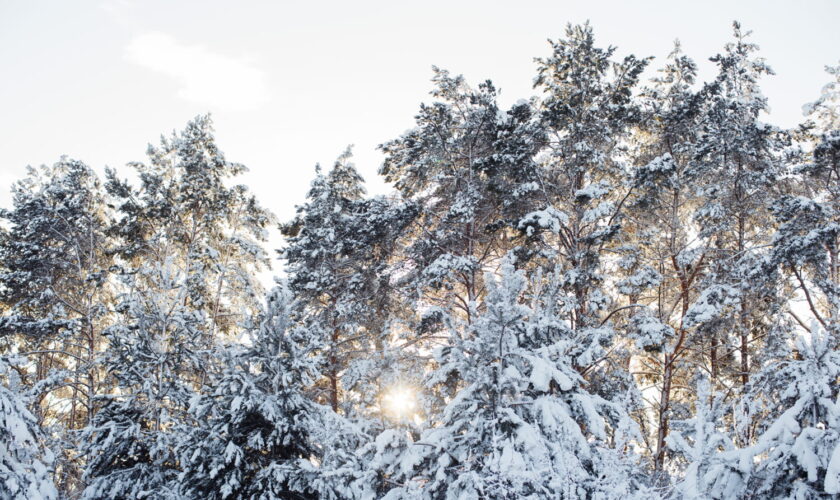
(205, 77)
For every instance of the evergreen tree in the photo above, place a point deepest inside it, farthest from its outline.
(805, 246)
(374, 360)
(337, 260)
(739, 166)
(184, 210)
(55, 278)
(444, 165)
(190, 247)
(711, 460)
(256, 435)
(59, 296)
(523, 425)
(826, 109)
(24, 464)
(466, 170)
(798, 447)
(586, 111)
(662, 259)
(806, 242)
(155, 354)
(320, 267)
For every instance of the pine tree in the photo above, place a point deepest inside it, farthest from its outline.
(190, 247)
(57, 288)
(806, 242)
(337, 260)
(371, 238)
(586, 111)
(523, 425)
(826, 109)
(184, 209)
(739, 165)
(55, 278)
(805, 247)
(712, 462)
(798, 447)
(257, 431)
(466, 169)
(662, 259)
(444, 166)
(320, 266)
(24, 464)
(799, 443)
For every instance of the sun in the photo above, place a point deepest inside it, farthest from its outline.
(400, 401)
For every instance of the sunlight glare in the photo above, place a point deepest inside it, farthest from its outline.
(400, 401)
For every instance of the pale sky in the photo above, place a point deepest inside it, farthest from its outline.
(291, 84)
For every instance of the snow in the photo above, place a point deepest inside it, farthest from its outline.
(549, 218)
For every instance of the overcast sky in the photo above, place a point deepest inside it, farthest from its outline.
(293, 83)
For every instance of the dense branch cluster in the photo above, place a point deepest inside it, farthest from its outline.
(618, 288)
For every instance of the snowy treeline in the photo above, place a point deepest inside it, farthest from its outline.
(618, 288)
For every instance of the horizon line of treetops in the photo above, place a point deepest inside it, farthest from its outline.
(615, 289)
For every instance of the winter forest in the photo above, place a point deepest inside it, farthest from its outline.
(626, 286)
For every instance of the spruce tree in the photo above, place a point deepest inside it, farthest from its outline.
(523, 425)
(256, 435)
(155, 354)
(798, 444)
(711, 460)
(24, 463)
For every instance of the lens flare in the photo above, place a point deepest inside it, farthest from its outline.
(399, 401)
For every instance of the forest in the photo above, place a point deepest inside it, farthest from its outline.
(626, 286)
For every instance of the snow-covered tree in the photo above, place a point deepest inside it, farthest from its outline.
(826, 109)
(444, 166)
(256, 434)
(712, 462)
(24, 463)
(798, 446)
(56, 286)
(586, 111)
(337, 252)
(155, 355)
(467, 170)
(806, 247)
(806, 242)
(190, 247)
(55, 280)
(184, 209)
(523, 424)
(662, 259)
(371, 237)
(739, 166)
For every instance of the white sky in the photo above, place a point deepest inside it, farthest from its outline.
(293, 83)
